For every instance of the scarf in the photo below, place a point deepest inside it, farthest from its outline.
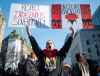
(50, 60)
(51, 53)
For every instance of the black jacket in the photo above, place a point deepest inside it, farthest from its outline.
(31, 68)
(61, 54)
(92, 69)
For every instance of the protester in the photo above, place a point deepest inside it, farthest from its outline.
(51, 60)
(31, 66)
(98, 70)
(83, 67)
(67, 70)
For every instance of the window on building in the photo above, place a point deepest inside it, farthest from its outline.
(98, 35)
(97, 50)
(87, 42)
(96, 46)
(98, 53)
(93, 35)
(89, 50)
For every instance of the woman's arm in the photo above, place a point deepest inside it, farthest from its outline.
(62, 52)
(34, 44)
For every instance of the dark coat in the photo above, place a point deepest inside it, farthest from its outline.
(92, 69)
(31, 68)
(61, 54)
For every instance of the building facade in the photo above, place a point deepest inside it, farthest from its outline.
(88, 42)
(14, 47)
(2, 25)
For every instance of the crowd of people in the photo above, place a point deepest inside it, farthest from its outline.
(49, 61)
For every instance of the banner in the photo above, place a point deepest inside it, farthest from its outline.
(13, 54)
(28, 14)
(86, 16)
(71, 16)
(56, 16)
(53, 16)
